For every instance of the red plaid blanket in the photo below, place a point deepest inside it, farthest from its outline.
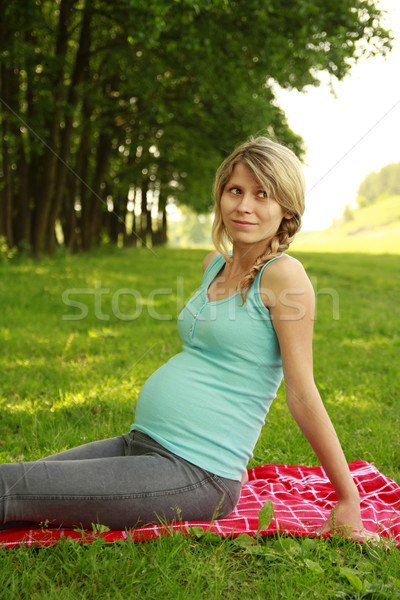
(302, 497)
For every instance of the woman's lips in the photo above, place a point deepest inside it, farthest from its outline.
(243, 223)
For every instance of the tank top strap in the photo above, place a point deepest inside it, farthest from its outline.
(212, 270)
(259, 274)
(255, 288)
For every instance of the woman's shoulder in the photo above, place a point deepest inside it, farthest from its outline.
(209, 258)
(285, 271)
(282, 279)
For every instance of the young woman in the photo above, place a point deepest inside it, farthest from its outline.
(198, 417)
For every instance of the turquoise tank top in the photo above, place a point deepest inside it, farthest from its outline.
(208, 403)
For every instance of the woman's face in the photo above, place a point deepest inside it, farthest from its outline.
(249, 216)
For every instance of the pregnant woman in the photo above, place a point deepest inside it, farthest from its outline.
(198, 417)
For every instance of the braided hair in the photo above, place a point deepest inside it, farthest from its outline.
(279, 172)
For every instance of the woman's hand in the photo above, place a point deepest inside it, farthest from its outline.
(345, 519)
(245, 478)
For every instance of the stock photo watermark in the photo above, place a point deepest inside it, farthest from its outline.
(129, 304)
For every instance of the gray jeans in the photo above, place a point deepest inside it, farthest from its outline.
(121, 482)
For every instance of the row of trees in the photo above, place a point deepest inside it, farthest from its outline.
(384, 183)
(111, 109)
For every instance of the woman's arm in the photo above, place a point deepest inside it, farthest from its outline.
(290, 298)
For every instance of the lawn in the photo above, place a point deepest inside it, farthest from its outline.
(80, 335)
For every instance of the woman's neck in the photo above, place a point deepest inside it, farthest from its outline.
(243, 258)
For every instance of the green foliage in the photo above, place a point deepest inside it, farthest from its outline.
(265, 516)
(378, 185)
(102, 100)
(348, 214)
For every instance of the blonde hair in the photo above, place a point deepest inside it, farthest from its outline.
(279, 172)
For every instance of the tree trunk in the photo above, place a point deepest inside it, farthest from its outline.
(145, 218)
(49, 161)
(80, 72)
(71, 223)
(68, 213)
(6, 193)
(114, 227)
(92, 200)
(84, 197)
(118, 216)
(6, 189)
(134, 237)
(161, 237)
(130, 239)
(22, 217)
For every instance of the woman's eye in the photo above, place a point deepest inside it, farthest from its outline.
(262, 194)
(235, 190)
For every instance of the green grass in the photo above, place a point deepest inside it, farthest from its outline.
(64, 382)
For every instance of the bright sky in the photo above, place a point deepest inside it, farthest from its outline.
(351, 135)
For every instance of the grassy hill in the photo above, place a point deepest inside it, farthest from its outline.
(373, 229)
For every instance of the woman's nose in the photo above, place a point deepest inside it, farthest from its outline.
(244, 204)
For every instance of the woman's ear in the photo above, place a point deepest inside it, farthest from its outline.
(288, 216)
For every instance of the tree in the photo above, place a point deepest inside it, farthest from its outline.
(385, 182)
(141, 99)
